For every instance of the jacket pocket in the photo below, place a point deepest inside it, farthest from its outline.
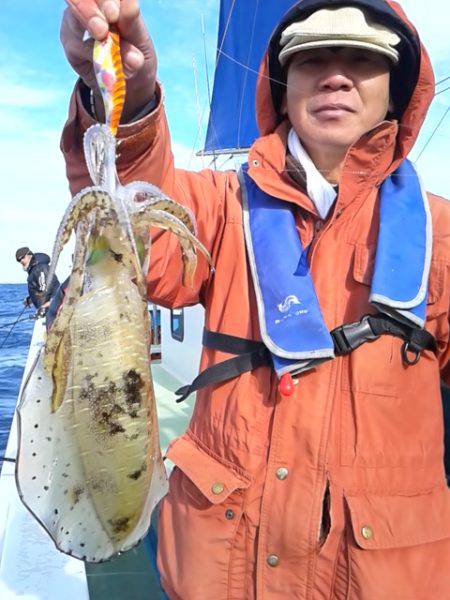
(399, 546)
(202, 533)
(436, 303)
(206, 477)
(364, 263)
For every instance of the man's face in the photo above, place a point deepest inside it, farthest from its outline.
(335, 95)
(25, 261)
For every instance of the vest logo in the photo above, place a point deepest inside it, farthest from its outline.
(285, 306)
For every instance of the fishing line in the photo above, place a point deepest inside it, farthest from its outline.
(14, 324)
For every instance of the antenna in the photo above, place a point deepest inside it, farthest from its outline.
(197, 102)
(207, 74)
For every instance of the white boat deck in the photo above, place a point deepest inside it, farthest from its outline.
(31, 568)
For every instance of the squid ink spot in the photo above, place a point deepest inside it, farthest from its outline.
(48, 439)
(67, 533)
(56, 511)
(34, 477)
(36, 425)
(77, 491)
(62, 528)
(120, 524)
(31, 441)
(38, 401)
(83, 557)
(66, 491)
(46, 488)
(82, 544)
(38, 497)
(117, 257)
(64, 475)
(34, 454)
(68, 465)
(115, 428)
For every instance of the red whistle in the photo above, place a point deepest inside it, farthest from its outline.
(286, 385)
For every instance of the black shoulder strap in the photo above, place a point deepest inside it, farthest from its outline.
(346, 338)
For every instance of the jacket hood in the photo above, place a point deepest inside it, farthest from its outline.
(38, 258)
(412, 79)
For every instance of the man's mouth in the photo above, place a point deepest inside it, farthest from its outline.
(333, 109)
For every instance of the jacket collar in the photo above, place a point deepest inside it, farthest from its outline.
(369, 161)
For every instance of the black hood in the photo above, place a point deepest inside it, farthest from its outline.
(39, 258)
(404, 75)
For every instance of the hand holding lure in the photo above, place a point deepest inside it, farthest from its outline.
(89, 465)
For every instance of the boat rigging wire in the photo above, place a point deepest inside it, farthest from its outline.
(432, 135)
(442, 80)
(13, 325)
(208, 103)
(442, 91)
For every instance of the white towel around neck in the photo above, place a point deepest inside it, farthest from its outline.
(321, 192)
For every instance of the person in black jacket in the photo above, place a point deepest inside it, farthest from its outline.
(37, 265)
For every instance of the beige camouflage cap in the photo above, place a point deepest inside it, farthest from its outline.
(346, 26)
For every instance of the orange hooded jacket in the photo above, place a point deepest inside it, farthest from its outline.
(338, 491)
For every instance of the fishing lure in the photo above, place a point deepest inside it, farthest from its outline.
(89, 465)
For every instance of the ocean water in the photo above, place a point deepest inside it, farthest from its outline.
(13, 355)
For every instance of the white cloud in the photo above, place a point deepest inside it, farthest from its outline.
(17, 95)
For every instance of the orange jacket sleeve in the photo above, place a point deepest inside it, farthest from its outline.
(145, 155)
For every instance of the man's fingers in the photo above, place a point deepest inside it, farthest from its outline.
(132, 58)
(90, 17)
(111, 9)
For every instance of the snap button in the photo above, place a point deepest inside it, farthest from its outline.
(367, 532)
(217, 488)
(272, 560)
(255, 163)
(229, 514)
(282, 473)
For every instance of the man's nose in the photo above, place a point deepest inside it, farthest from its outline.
(335, 79)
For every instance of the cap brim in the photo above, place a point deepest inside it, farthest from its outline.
(287, 53)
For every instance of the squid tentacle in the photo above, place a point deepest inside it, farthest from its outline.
(82, 204)
(145, 195)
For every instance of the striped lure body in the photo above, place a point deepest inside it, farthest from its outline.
(110, 78)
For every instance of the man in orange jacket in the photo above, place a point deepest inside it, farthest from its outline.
(334, 487)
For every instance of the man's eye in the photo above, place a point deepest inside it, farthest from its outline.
(362, 58)
(312, 60)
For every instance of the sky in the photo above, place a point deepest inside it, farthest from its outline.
(36, 83)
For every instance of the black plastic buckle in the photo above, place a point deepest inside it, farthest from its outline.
(408, 347)
(350, 336)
